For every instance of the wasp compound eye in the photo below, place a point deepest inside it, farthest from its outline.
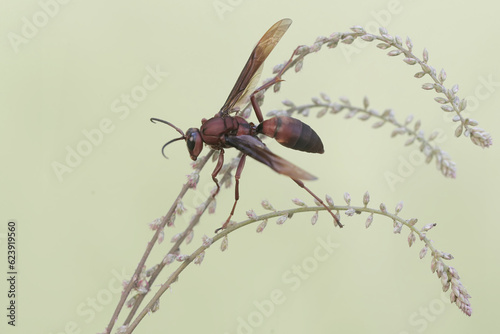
(194, 142)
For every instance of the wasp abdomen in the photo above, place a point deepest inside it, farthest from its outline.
(292, 133)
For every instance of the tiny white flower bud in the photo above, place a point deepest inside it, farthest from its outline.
(350, 212)
(224, 243)
(151, 270)
(394, 53)
(358, 29)
(442, 76)
(412, 221)
(366, 102)
(169, 258)
(399, 207)
(366, 198)
(199, 258)
(262, 226)
(300, 63)
(176, 237)
(329, 200)
(439, 268)
(434, 264)
(409, 43)
(397, 227)
(314, 218)
(179, 208)
(171, 221)
(427, 227)
(131, 302)
(212, 206)
(398, 40)
(155, 224)
(425, 55)
(156, 306)
(444, 279)
(315, 100)
(383, 208)
(206, 240)
(369, 220)
(161, 236)
(419, 74)
(281, 220)
(347, 198)
(278, 68)
(193, 179)
(428, 86)
(325, 97)
(268, 206)
(423, 252)
(411, 238)
(447, 256)
(251, 214)
(367, 38)
(348, 40)
(410, 61)
(298, 202)
(322, 112)
(383, 46)
(388, 37)
(182, 257)
(453, 272)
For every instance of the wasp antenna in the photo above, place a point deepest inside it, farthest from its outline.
(163, 148)
(154, 120)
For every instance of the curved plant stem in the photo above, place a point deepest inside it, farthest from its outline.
(443, 162)
(438, 256)
(133, 281)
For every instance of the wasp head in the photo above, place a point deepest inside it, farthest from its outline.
(194, 142)
(192, 137)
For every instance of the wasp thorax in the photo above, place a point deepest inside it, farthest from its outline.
(194, 142)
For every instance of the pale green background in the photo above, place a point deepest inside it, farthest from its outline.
(75, 235)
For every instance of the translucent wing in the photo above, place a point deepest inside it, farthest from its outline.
(249, 76)
(254, 147)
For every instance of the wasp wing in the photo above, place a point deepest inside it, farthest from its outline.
(254, 147)
(249, 76)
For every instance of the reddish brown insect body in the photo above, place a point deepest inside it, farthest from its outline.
(213, 130)
(224, 131)
(292, 133)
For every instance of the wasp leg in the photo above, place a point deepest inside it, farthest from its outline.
(301, 184)
(216, 171)
(237, 176)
